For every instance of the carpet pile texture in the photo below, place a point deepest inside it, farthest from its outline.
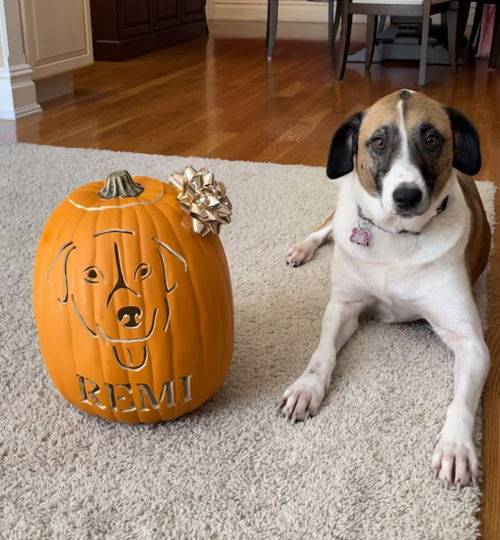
(233, 469)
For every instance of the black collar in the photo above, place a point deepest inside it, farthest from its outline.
(441, 208)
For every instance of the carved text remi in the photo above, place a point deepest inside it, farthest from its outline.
(120, 397)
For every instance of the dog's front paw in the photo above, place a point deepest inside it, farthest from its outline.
(301, 253)
(454, 462)
(303, 398)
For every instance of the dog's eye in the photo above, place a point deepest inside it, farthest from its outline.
(143, 271)
(378, 143)
(92, 274)
(431, 141)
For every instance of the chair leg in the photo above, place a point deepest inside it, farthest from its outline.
(272, 26)
(381, 24)
(336, 22)
(426, 20)
(205, 17)
(451, 21)
(495, 41)
(345, 38)
(371, 38)
(474, 33)
(331, 37)
(267, 26)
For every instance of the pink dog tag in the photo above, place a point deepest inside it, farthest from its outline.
(360, 237)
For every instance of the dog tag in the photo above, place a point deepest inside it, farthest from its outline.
(360, 237)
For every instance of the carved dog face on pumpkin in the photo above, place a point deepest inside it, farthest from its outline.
(118, 291)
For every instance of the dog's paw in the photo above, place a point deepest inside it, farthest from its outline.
(301, 253)
(454, 462)
(303, 398)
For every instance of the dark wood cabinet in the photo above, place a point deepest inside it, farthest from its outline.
(191, 10)
(168, 13)
(135, 18)
(125, 28)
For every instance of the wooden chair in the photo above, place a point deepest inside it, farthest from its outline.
(495, 42)
(476, 31)
(374, 9)
(334, 13)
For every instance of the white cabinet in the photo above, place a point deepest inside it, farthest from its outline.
(57, 35)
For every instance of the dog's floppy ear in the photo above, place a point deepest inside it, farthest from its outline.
(343, 147)
(57, 274)
(164, 249)
(466, 152)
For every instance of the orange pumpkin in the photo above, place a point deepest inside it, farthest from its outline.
(133, 309)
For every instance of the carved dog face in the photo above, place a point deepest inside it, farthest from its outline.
(119, 294)
(403, 149)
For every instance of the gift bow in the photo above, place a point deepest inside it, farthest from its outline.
(203, 199)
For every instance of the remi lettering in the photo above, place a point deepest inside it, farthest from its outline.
(132, 397)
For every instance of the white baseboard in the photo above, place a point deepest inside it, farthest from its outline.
(8, 113)
(289, 10)
(17, 93)
(27, 110)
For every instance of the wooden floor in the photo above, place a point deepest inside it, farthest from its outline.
(219, 97)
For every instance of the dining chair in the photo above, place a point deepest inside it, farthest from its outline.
(334, 13)
(374, 9)
(495, 42)
(475, 33)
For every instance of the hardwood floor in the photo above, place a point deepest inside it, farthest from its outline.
(219, 97)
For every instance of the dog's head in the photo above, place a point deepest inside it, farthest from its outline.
(117, 284)
(403, 149)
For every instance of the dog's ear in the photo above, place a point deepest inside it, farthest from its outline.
(343, 147)
(164, 250)
(57, 274)
(466, 151)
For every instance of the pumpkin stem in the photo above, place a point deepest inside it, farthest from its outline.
(120, 184)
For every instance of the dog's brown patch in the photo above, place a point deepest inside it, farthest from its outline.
(383, 112)
(478, 245)
(324, 223)
(424, 110)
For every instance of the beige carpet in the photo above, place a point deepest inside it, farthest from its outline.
(233, 469)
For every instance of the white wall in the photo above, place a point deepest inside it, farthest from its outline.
(17, 90)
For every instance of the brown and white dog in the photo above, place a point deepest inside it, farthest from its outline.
(411, 237)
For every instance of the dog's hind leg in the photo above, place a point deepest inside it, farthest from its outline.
(304, 251)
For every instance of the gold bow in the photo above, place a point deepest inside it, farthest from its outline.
(203, 199)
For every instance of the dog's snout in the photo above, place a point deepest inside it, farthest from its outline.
(407, 197)
(128, 316)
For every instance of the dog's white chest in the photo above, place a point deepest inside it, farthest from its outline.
(392, 272)
(442, 235)
(391, 294)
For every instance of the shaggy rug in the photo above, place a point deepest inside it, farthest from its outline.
(233, 469)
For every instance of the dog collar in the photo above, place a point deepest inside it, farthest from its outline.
(361, 234)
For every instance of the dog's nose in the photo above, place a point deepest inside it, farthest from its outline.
(406, 197)
(128, 316)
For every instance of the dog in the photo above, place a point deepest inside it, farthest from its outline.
(410, 239)
(120, 304)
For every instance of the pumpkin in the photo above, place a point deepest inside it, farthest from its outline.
(133, 309)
